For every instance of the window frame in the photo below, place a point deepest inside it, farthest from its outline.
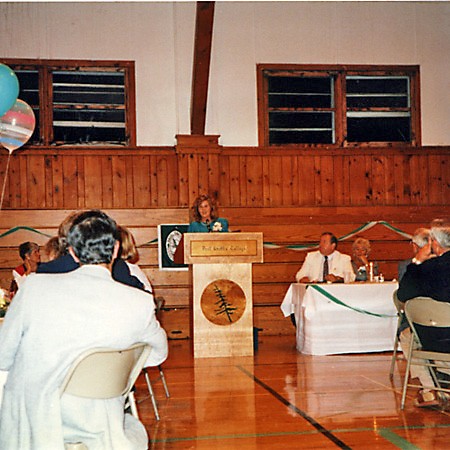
(339, 72)
(45, 67)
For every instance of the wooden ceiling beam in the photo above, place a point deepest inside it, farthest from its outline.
(200, 71)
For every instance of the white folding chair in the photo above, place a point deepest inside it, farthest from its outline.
(430, 313)
(400, 315)
(102, 373)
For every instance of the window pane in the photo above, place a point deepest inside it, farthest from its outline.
(83, 135)
(378, 129)
(88, 87)
(300, 92)
(300, 127)
(89, 106)
(88, 125)
(29, 93)
(300, 137)
(372, 92)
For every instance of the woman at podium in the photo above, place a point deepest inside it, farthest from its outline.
(205, 217)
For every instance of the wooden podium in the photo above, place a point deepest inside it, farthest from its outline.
(222, 307)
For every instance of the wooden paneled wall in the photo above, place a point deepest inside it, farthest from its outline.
(157, 178)
(290, 196)
(282, 226)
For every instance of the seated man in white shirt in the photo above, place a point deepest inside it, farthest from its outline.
(51, 321)
(326, 264)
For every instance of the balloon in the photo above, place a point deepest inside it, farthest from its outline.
(17, 126)
(9, 88)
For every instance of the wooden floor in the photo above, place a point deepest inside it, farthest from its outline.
(281, 399)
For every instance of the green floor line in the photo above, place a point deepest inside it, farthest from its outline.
(386, 433)
(237, 436)
(397, 440)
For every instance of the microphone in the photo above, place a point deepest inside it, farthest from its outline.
(208, 225)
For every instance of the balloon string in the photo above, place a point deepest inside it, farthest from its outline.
(4, 181)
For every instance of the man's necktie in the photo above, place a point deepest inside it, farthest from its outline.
(325, 268)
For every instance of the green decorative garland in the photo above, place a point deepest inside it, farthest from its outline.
(298, 247)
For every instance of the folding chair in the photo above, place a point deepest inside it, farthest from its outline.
(159, 302)
(102, 373)
(400, 315)
(430, 313)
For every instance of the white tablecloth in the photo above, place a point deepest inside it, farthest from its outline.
(326, 327)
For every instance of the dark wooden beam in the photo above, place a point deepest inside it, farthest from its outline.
(200, 70)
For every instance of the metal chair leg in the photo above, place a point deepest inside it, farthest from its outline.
(394, 356)
(152, 395)
(163, 379)
(408, 366)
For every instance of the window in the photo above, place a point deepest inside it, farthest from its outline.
(338, 106)
(79, 102)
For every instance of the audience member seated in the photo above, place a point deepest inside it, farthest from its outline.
(65, 263)
(205, 215)
(420, 238)
(54, 319)
(51, 249)
(31, 257)
(360, 259)
(428, 276)
(129, 253)
(325, 264)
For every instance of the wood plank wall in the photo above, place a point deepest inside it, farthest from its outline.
(291, 196)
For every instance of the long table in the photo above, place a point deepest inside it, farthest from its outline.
(342, 318)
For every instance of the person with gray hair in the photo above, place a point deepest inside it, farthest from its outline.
(420, 238)
(428, 273)
(428, 276)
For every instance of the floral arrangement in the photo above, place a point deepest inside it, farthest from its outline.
(217, 227)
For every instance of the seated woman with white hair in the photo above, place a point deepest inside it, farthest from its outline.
(360, 259)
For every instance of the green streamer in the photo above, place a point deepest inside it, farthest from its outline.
(268, 245)
(13, 230)
(364, 227)
(339, 302)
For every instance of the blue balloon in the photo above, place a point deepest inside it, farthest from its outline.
(9, 88)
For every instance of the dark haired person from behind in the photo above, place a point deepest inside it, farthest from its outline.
(206, 217)
(64, 262)
(52, 320)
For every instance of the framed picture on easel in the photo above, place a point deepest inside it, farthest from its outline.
(169, 236)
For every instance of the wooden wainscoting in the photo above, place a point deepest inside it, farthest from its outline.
(134, 178)
(281, 226)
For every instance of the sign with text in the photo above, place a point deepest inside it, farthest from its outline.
(224, 248)
(210, 248)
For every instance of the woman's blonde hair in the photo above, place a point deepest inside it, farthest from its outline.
(52, 248)
(128, 250)
(365, 243)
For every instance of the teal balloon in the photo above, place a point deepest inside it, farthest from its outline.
(9, 88)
